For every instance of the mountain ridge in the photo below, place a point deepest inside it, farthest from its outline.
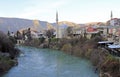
(14, 24)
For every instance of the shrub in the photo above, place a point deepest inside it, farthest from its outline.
(34, 42)
(111, 65)
(54, 39)
(88, 53)
(5, 64)
(42, 40)
(78, 51)
(67, 48)
(6, 45)
(94, 57)
(13, 39)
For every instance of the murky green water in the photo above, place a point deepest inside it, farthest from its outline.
(50, 63)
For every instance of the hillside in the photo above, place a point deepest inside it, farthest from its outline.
(14, 24)
(96, 23)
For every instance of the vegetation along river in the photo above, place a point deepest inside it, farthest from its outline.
(36, 62)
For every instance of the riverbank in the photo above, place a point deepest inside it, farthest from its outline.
(106, 64)
(8, 53)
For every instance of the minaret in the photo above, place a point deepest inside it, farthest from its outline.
(111, 15)
(57, 26)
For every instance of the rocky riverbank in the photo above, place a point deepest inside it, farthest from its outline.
(8, 53)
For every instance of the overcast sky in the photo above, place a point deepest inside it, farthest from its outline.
(78, 11)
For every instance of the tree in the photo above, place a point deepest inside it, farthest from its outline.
(29, 34)
(7, 45)
(50, 33)
(8, 33)
(70, 31)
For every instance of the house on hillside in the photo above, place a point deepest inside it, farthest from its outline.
(34, 33)
(114, 26)
(78, 31)
(114, 29)
(91, 30)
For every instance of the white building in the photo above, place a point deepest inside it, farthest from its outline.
(62, 31)
(36, 34)
(114, 26)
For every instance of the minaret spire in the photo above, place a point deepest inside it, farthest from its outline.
(111, 15)
(56, 16)
(57, 26)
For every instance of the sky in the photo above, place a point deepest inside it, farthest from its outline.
(78, 11)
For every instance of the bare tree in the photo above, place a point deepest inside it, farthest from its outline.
(70, 31)
(50, 33)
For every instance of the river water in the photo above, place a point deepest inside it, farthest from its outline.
(36, 62)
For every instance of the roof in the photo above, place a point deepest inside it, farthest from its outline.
(91, 30)
(114, 46)
(103, 42)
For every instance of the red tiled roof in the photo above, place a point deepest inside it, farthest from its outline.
(91, 29)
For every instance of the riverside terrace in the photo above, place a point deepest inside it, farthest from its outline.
(112, 48)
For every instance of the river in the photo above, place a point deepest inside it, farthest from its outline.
(36, 62)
